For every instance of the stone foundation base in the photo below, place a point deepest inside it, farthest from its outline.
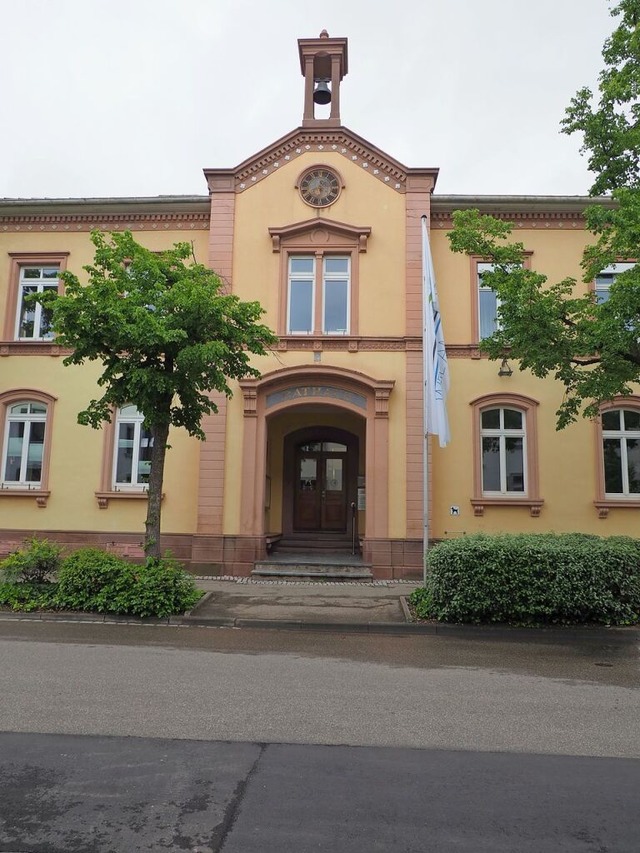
(396, 559)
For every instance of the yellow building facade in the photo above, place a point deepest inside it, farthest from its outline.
(325, 451)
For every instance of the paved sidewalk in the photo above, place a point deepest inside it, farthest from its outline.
(346, 604)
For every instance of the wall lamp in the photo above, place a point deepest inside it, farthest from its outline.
(505, 368)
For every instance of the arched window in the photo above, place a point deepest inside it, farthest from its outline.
(621, 452)
(505, 453)
(132, 450)
(25, 443)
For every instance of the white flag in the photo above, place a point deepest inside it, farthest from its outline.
(436, 369)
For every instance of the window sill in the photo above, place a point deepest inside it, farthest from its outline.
(32, 348)
(41, 495)
(103, 498)
(605, 505)
(534, 504)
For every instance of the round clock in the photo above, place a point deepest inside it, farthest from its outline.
(320, 187)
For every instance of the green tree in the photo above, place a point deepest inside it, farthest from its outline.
(593, 349)
(166, 333)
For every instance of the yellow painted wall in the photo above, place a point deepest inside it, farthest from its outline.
(365, 201)
(77, 451)
(567, 459)
(555, 252)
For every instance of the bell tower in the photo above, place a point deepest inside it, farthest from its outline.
(323, 63)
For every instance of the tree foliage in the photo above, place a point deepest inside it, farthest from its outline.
(167, 336)
(558, 328)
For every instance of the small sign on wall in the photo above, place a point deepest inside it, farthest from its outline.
(454, 510)
(362, 500)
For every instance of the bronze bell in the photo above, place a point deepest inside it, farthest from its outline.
(322, 93)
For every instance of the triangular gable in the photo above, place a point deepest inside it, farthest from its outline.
(339, 140)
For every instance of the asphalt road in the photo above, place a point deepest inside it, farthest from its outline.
(124, 738)
(118, 795)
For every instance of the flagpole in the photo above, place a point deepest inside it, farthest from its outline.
(425, 440)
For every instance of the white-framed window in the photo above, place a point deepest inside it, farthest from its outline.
(605, 279)
(33, 321)
(488, 304)
(621, 452)
(23, 451)
(318, 287)
(132, 450)
(504, 449)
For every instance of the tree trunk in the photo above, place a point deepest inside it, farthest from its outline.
(160, 434)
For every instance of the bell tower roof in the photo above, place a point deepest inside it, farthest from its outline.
(323, 63)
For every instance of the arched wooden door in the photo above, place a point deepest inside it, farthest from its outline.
(321, 487)
(321, 467)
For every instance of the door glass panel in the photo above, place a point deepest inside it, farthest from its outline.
(334, 446)
(311, 446)
(308, 474)
(333, 475)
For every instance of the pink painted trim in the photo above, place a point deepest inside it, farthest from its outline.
(529, 407)
(602, 502)
(15, 395)
(25, 259)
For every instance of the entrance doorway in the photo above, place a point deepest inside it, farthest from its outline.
(320, 487)
(321, 467)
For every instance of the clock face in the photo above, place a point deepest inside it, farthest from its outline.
(320, 187)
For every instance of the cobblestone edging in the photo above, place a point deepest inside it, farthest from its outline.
(290, 582)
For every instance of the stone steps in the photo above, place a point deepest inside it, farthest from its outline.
(345, 569)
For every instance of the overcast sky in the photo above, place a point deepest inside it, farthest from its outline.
(136, 97)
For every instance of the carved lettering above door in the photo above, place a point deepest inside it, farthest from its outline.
(302, 391)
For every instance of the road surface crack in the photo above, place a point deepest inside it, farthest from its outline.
(222, 831)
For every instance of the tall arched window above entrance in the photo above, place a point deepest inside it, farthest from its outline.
(319, 277)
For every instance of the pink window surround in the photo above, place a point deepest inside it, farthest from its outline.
(532, 498)
(320, 238)
(106, 491)
(10, 345)
(355, 385)
(604, 503)
(18, 395)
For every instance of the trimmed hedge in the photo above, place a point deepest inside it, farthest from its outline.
(533, 579)
(91, 579)
(94, 580)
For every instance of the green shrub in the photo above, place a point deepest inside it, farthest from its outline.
(27, 596)
(91, 579)
(422, 601)
(36, 563)
(543, 578)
